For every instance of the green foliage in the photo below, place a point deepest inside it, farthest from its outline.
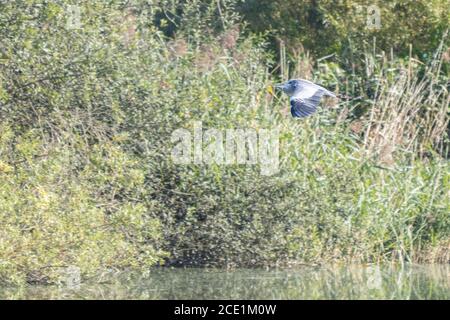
(326, 27)
(87, 177)
(65, 206)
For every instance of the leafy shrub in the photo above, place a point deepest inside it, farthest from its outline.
(327, 27)
(63, 205)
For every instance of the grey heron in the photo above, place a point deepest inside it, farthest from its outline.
(304, 95)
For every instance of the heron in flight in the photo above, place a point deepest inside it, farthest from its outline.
(304, 96)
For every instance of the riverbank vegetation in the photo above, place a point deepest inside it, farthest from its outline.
(88, 106)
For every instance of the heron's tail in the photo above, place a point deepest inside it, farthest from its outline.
(329, 94)
(344, 96)
(341, 96)
(348, 98)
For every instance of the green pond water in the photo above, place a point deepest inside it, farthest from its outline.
(344, 282)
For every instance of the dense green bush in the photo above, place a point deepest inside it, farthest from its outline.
(68, 203)
(327, 27)
(87, 177)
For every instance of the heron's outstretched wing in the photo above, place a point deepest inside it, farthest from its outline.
(301, 108)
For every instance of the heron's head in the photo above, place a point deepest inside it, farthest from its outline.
(289, 87)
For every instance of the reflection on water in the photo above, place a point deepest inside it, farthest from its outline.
(344, 282)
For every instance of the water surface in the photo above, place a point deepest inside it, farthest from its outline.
(344, 282)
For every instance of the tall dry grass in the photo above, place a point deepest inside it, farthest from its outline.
(409, 113)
